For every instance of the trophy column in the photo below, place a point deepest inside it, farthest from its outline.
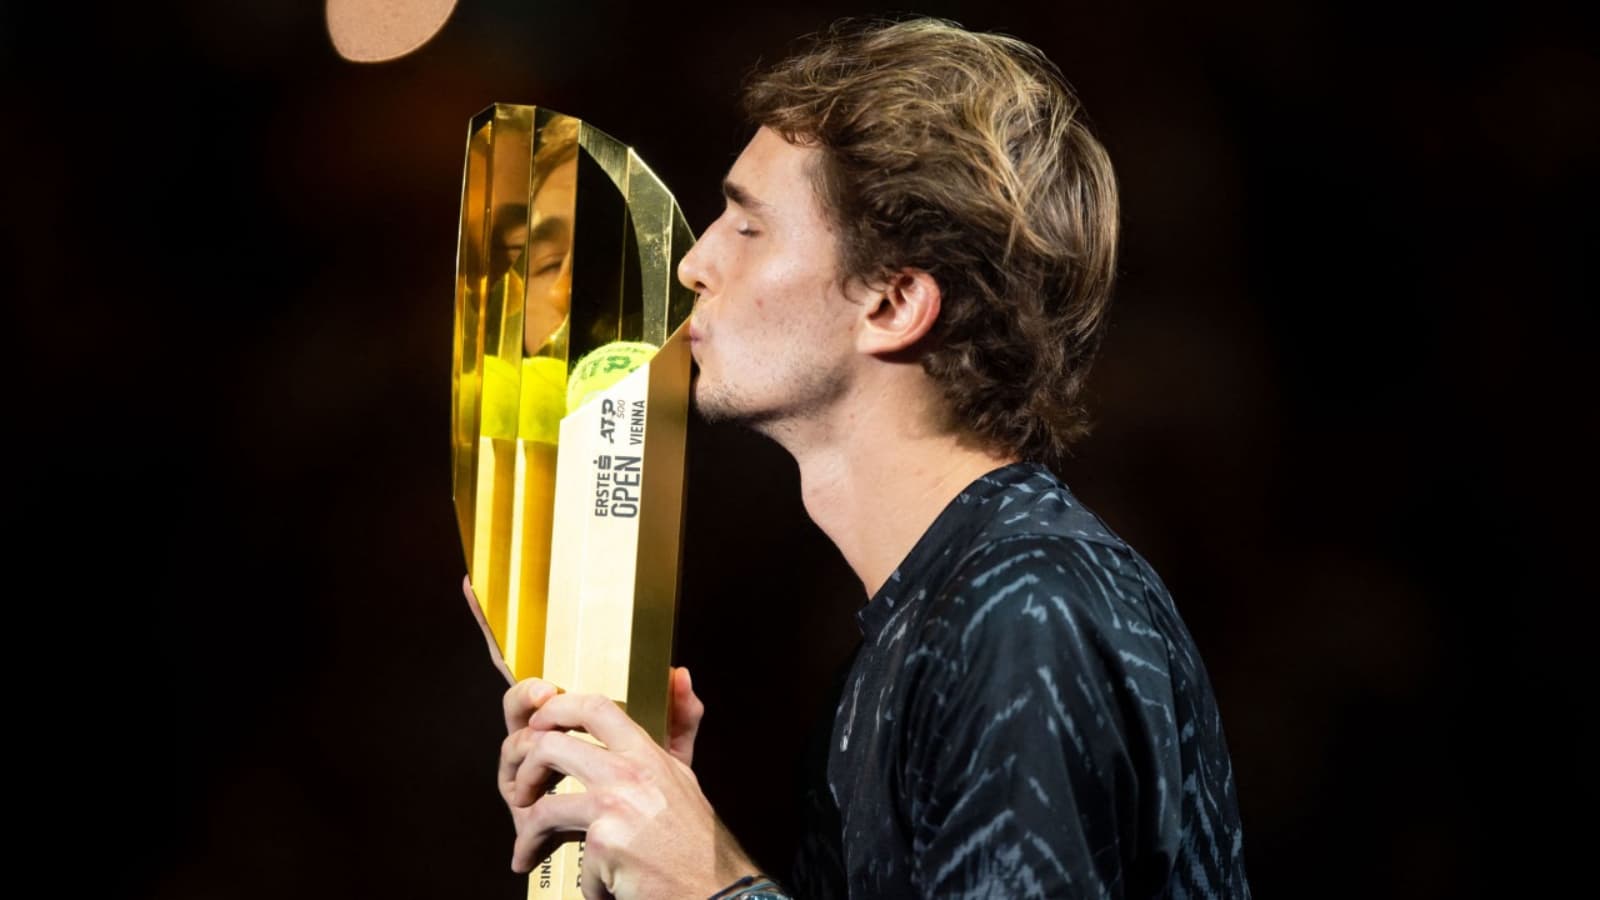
(570, 393)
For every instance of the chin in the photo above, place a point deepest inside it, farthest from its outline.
(714, 402)
(707, 404)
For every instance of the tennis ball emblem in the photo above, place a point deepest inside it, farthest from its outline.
(544, 399)
(603, 367)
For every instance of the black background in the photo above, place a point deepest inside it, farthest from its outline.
(1341, 408)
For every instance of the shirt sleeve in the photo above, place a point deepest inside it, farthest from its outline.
(1037, 686)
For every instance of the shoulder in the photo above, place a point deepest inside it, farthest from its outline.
(1065, 561)
(1021, 590)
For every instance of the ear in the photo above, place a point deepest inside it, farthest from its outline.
(900, 314)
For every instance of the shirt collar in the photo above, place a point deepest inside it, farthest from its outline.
(942, 547)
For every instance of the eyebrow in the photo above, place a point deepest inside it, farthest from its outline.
(552, 230)
(738, 194)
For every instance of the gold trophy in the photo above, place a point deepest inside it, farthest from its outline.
(570, 397)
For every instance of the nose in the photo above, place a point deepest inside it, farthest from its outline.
(692, 269)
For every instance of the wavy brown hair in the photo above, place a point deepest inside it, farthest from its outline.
(964, 155)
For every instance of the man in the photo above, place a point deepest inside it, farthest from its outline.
(905, 291)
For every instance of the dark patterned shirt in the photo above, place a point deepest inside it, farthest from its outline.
(1027, 717)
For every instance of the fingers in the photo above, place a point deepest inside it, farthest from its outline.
(522, 699)
(531, 760)
(593, 713)
(541, 826)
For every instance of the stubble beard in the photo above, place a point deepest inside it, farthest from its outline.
(811, 396)
(713, 403)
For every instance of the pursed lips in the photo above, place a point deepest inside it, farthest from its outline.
(695, 337)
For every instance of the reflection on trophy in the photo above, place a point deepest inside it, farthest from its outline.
(569, 410)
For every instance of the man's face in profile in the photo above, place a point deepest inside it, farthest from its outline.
(773, 331)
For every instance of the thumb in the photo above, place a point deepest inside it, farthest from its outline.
(684, 721)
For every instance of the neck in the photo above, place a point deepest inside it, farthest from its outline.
(874, 476)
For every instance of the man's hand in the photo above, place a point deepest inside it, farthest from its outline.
(684, 709)
(649, 830)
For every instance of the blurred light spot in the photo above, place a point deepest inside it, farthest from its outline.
(380, 30)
